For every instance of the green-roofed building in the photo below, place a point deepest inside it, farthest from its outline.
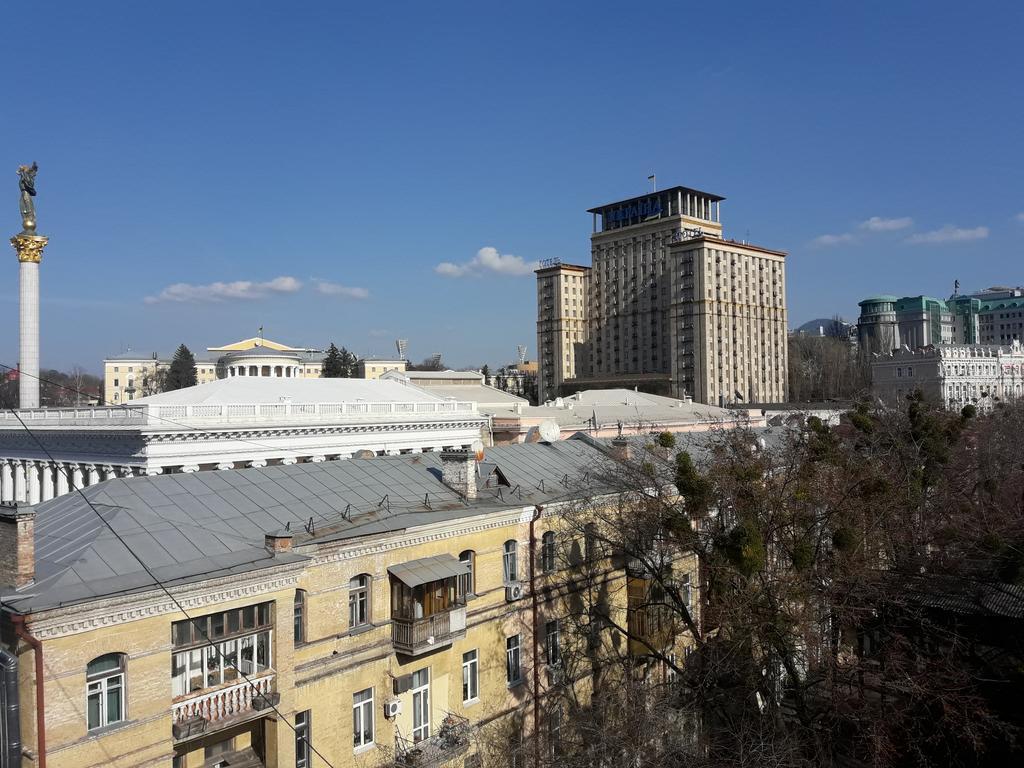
(889, 322)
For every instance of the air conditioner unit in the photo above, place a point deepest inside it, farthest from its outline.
(513, 591)
(392, 708)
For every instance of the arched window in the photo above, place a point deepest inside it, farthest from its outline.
(510, 564)
(359, 601)
(300, 616)
(104, 690)
(467, 582)
(547, 552)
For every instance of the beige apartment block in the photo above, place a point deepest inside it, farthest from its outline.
(390, 610)
(663, 317)
(562, 332)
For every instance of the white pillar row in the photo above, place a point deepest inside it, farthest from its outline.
(108, 472)
(190, 468)
(225, 465)
(256, 463)
(62, 472)
(33, 482)
(48, 484)
(288, 460)
(19, 481)
(316, 459)
(417, 450)
(77, 480)
(6, 481)
(93, 474)
(151, 471)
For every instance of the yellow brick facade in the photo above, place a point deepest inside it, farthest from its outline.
(321, 674)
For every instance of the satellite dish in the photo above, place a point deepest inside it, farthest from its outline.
(477, 447)
(549, 431)
(363, 454)
(532, 436)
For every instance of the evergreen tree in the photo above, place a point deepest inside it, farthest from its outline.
(348, 364)
(333, 365)
(182, 372)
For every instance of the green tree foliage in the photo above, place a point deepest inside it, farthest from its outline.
(665, 440)
(182, 372)
(338, 363)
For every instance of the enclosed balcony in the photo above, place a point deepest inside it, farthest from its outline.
(651, 623)
(428, 603)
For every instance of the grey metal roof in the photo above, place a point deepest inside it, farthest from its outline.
(428, 569)
(187, 527)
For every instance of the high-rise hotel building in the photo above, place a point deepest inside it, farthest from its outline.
(669, 305)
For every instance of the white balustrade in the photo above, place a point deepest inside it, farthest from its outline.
(223, 702)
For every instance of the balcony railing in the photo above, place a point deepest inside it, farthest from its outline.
(451, 741)
(222, 707)
(415, 636)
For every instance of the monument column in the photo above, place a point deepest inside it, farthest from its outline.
(29, 247)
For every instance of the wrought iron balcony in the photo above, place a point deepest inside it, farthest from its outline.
(452, 740)
(222, 707)
(416, 636)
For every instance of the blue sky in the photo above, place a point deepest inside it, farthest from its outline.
(308, 166)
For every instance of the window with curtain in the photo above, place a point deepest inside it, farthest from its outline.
(299, 620)
(362, 718)
(547, 552)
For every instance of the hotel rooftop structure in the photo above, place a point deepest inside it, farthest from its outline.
(668, 305)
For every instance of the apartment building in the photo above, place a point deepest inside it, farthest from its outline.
(352, 613)
(673, 307)
(562, 331)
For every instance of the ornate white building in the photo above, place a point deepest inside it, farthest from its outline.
(227, 424)
(952, 374)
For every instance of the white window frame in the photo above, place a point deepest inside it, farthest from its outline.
(468, 581)
(470, 676)
(362, 712)
(304, 739)
(100, 685)
(510, 561)
(421, 708)
(359, 597)
(552, 647)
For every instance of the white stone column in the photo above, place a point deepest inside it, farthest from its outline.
(6, 481)
(288, 460)
(20, 492)
(28, 381)
(225, 465)
(109, 473)
(153, 471)
(93, 474)
(47, 490)
(316, 459)
(256, 463)
(190, 468)
(32, 472)
(77, 480)
(62, 470)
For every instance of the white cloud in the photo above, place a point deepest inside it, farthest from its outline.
(1020, 217)
(336, 289)
(488, 259)
(217, 292)
(878, 224)
(949, 234)
(827, 240)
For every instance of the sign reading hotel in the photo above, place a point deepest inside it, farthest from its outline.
(641, 209)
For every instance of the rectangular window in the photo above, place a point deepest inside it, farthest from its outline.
(104, 698)
(551, 649)
(197, 663)
(362, 719)
(470, 677)
(303, 735)
(513, 668)
(685, 591)
(421, 705)
(299, 618)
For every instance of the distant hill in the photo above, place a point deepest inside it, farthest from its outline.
(825, 326)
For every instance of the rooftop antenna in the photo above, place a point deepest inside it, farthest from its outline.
(521, 353)
(653, 178)
(401, 345)
(956, 287)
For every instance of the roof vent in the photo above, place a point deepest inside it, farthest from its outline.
(458, 472)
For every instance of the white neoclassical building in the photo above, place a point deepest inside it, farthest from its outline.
(226, 424)
(952, 374)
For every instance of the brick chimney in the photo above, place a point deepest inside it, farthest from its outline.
(620, 449)
(278, 542)
(458, 472)
(17, 545)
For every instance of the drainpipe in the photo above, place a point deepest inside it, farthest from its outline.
(536, 660)
(37, 649)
